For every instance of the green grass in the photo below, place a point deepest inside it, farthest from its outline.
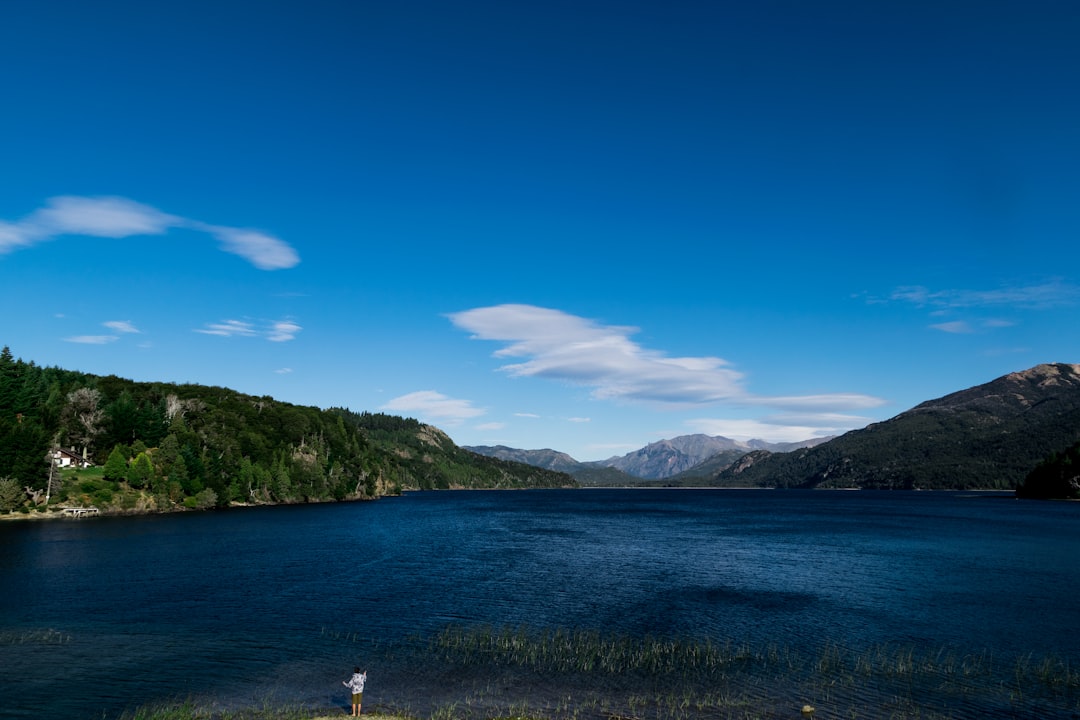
(38, 636)
(528, 674)
(590, 652)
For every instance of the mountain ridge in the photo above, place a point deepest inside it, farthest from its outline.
(988, 436)
(685, 457)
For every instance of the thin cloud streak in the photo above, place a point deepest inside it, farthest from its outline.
(122, 326)
(229, 328)
(283, 331)
(1053, 293)
(279, 331)
(750, 429)
(118, 217)
(955, 327)
(563, 347)
(92, 339)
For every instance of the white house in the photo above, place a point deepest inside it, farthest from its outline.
(69, 458)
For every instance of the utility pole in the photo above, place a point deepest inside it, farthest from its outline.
(52, 469)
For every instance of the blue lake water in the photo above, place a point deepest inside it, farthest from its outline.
(276, 605)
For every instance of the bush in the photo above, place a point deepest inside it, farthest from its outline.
(11, 495)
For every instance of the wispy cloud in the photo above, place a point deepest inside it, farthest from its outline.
(578, 419)
(283, 331)
(776, 429)
(283, 371)
(278, 331)
(963, 327)
(121, 326)
(229, 328)
(434, 407)
(817, 404)
(118, 217)
(956, 327)
(1053, 293)
(92, 339)
(563, 347)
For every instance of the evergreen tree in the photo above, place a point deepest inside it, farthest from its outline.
(116, 467)
(121, 420)
(9, 383)
(141, 471)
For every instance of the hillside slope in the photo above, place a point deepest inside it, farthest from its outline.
(164, 446)
(988, 437)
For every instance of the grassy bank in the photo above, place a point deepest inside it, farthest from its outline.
(521, 674)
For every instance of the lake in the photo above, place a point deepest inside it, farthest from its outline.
(693, 603)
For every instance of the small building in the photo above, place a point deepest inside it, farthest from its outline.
(79, 512)
(69, 458)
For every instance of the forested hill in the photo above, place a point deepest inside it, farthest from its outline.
(988, 437)
(160, 446)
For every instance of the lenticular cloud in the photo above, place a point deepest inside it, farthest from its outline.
(117, 217)
(558, 346)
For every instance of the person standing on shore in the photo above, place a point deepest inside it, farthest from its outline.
(356, 684)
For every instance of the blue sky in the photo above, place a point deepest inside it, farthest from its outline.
(583, 226)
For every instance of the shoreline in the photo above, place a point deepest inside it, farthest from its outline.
(51, 514)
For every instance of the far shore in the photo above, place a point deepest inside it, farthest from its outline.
(59, 514)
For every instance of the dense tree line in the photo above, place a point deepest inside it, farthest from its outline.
(198, 446)
(1057, 477)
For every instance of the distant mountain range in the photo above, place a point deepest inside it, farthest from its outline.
(686, 456)
(988, 437)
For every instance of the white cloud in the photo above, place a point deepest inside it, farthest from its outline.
(434, 407)
(491, 426)
(775, 430)
(283, 330)
(121, 326)
(12, 237)
(279, 331)
(112, 217)
(819, 403)
(579, 419)
(526, 415)
(261, 250)
(229, 328)
(1053, 293)
(560, 346)
(283, 371)
(92, 339)
(962, 327)
(955, 327)
(117, 217)
(564, 347)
